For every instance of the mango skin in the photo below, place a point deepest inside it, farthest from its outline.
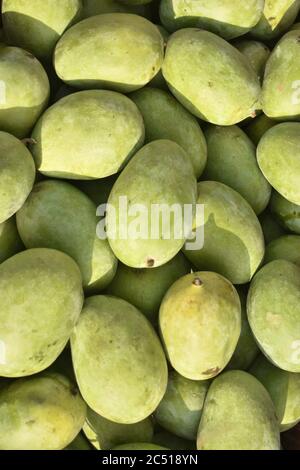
(239, 400)
(286, 247)
(21, 106)
(285, 212)
(143, 181)
(200, 324)
(246, 349)
(139, 446)
(119, 51)
(57, 215)
(43, 288)
(98, 7)
(145, 288)
(284, 389)
(225, 18)
(97, 190)
(98, 133)
(17, 174)
(79, 443)
(180, 410)
(104, 434)
(277, 17)
(272, 308)
(10, 242)
(232, 161)
(172, 442)
(258, 126)
(281, 85)
(279, 162)
(233, 238)
(119, 362)
(256, 52)
(44, 412)
(165, 118)
(271, 228)
(37, 26)
(195, 65)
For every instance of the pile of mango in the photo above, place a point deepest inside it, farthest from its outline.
(126, 343)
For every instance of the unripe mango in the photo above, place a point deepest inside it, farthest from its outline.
(286, 247)
(119, 362)
(143, 181)
(279, 162)
(105, 434)
(118, 51)
(258, 126)
(98, 133)
(271, 228)
(233, 238)
(36, 26)
(17, 173)
(145, 288)
(165, 118)
(238, 415)
(256, 52)
(172, 442)
(57, 215)
(41, 299)
(281, 85)
(180, 410)
(139, 446)
(232, 161)
(97, 190)
(210, 77)
(79, 443)
(10, 242)
(277, 17)
(272, 307)
(284, 389)
(21, 105)
(285, 212)
(43, 412)
(200, 324)
(227, 18)
(98, 7)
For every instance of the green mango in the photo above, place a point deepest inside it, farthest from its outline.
(210, 77)
(44, 412)
(21, 106)
(57, 215)
(10, 242)
(119, 362)
(98, 7)
(134, 2)
(165, 118)
(281, 85)
(238, 415)
(87, 135)
(145, 288)
(270, 227)
(200, 324)
(232, 161)
(277, 17)
(172, 442)
(130, 55)
(140, 446)
(256, 52)
(272, 307)
(158, 81)
(79, 443)
(36, 26)
(17, 174)
(105, 434)
(233, 238)
(143, 181)
(295, 26)
(279, 162)
(284, 389)
(223, 17)
(285, 212)
(97, 190)
(258, 126)
(286, 247)
(41, 299)
(180, 410)
(246, 349)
